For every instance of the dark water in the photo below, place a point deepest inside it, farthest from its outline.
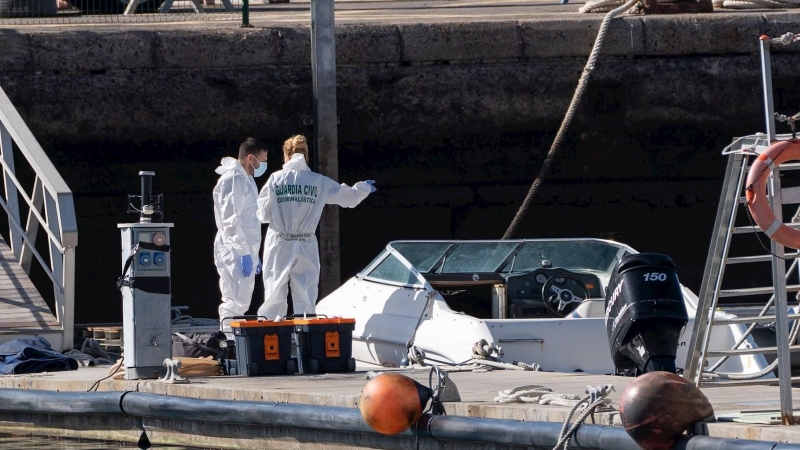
(47, 443)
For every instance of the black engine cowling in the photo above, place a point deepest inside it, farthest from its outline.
(645, 314)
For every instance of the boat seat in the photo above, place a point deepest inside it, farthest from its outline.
(591, 307)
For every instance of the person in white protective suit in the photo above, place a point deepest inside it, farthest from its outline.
(238, 228)
(291, 202)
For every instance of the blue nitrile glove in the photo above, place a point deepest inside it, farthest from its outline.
(247, 265)
(258, 267)
(372, 188)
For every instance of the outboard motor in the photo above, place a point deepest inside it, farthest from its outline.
(645, 314)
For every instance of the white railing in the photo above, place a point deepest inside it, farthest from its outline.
(58, 218)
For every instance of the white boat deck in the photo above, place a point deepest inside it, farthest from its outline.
(23, 311)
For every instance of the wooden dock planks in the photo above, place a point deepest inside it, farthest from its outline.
(22, 308)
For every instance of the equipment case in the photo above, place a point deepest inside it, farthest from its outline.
(264, 347)
(325, 345)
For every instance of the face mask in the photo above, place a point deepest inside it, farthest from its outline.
(262, 168)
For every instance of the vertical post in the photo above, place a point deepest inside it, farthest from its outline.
(766, 82)
(11, 191)
(68, 280)
(781, 306)
(778, 263)
(56, 263)
(325, 149)
(246, 14)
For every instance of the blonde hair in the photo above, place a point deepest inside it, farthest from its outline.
(295, 144)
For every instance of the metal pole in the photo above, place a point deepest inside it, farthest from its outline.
(246, 14)
(325, 148)
(766, 82)
(778, 263)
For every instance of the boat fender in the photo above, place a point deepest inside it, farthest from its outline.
(391, 402)
(657, 407)
(757, 201)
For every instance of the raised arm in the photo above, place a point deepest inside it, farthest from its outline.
(344, 195)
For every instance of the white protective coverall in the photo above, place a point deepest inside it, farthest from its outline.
(238, 234)
(292, 202)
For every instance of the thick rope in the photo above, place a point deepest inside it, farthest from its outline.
(756, 4)
(485, 357)
(534, 393)
(576, 99)
(600, 6)
(566, 435)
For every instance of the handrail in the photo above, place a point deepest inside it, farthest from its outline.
(33, 249)
(9, 172)
(58, 219)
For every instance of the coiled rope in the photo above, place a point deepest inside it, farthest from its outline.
(756, 4)
(597, 399)
(576, 99)
(534, 393)
(485, 357)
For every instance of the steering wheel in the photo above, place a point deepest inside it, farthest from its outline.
(561, 301)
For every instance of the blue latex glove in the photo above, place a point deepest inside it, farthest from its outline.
(258, 267)
(247, 265)
(372, 188)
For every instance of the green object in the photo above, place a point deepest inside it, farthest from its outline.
(246, 13)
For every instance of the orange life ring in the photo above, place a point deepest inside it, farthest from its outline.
(777, 154)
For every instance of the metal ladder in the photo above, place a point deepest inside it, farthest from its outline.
(711, 291)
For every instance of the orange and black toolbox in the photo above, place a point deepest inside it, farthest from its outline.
(325, 345)
(264, 347)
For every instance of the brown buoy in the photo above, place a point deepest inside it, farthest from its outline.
(391, 403)
(657, 407)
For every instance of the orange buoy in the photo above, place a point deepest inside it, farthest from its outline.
(757, 202)
(657, 407)
(391, 402)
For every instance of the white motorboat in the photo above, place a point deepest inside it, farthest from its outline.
(541, 300)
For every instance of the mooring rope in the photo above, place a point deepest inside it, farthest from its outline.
(756, 4)
(485, 357)
(600, 6)
(535, 393)
(576, 99)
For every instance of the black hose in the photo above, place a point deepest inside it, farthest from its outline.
(340, 419)
(51, 402)
(244, 412)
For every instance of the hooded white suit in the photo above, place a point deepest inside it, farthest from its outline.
(292, 202)
(238, 234)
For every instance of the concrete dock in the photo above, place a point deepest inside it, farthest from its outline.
(477, 391)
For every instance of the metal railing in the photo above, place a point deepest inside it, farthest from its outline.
(49, 204)
(37, 12)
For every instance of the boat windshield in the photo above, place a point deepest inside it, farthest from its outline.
(511, 256)
(596, 256)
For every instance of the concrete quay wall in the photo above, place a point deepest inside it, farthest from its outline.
(429, 80)
(452, 119)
